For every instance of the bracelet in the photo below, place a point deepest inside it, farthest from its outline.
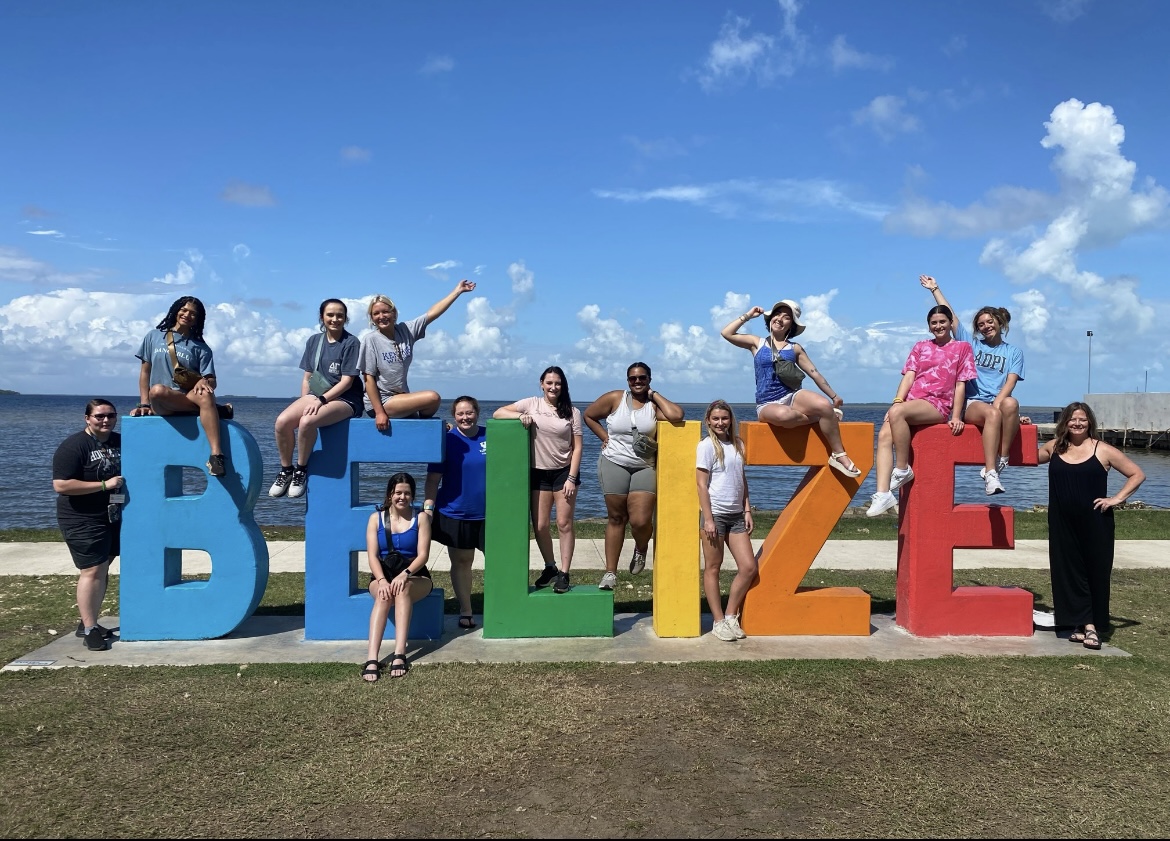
(322, 398)
(142, 406)
(379, 579)
(428, 508)
(899, 400)
(406, 572)
(103, 484)
(576, 480)
(743, 317)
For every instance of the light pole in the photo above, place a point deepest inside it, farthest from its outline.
(1089, 384)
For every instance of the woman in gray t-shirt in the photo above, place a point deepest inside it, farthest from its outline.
(386, 356)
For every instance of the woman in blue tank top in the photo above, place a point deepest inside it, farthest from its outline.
(398, 545)
(789, 405)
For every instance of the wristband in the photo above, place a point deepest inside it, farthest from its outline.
(576, 480)
(899, 400)
(406, 572)
(142, 406)
(428, 508)
(322, 398)
(103, 484)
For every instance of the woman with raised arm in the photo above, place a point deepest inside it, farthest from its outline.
(625, 468)
(1080, 521)
(556, 469)
(932, 389)
(398, 545)
(331, 392)
(725, 511)
(780, 366)
(458, 507)
(177, 376)
(990, 404)
(386, 355)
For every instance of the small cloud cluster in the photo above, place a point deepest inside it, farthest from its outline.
(887, 116)
(247, 195)
(356, 155)
(439, 270)
(737, 54)
(844, 57)
(437, 64)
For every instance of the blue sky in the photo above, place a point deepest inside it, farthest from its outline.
(619, 179)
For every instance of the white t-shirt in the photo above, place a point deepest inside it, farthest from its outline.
(726, 484)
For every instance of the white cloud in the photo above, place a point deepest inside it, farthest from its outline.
(437, 64)
(1032, 317)
(737, 54)
(241, 252)
(1064, 11)
(46, 233)
(887, 116)
(666, 147)
(783, 199)
(439, 270)
(483, 348)
(1003, 208)
(18, 267)
(356, 155)
(248, 195)
(1100, 208)
(390, 261)
(522, 279)
(957, 45)
(844, 57)
(182, 276)
(479, 269)
(597, 353)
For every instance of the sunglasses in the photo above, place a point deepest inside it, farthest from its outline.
(106, 416)
(638, 378)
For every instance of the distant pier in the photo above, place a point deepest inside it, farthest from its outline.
(1140, 419)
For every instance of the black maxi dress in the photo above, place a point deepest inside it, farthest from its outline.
(1080, 541)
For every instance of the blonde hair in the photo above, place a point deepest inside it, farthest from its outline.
(735, 439)
(378, 299)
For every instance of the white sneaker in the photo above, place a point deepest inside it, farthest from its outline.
(723, 631)
(733, 623)
(901, 477)
(608, 581)
(1001, 465)
(280, 486)
(991, 483)
(880, 503)
(300, 480)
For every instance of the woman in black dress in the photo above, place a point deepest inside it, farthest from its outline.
(1080, 520)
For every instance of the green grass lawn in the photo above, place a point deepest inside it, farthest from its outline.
(1009, 747)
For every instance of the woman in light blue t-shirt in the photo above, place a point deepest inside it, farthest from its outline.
(990, 404)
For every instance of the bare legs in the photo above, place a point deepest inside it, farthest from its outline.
(414, 590)
(895, 437)
(542, 503)
(167, 401)
(806, 409)
(740, 545)
(637, 509)
(91, 591)
(404, 405)
(461, 560)
(296, 417)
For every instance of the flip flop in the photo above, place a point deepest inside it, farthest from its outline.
(838, 465)
(467, 623)
(1092, 641)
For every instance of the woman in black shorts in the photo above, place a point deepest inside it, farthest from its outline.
(457, 506)
(556, 471)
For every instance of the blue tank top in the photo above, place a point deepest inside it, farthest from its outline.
(405, 542)
(768, 385)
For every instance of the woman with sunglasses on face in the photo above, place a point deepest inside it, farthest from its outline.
(458, 507)
(625, 469)
(386, 355)
(556, 470)
(990, 404)
(178, 338)
(331, 391)
(781, 401)
(87, 470)
(932, 389)
(398, 546)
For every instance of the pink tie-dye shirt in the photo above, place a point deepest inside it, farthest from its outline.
(936, 370)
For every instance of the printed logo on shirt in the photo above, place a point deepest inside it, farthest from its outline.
(334, 367)
(483, 448)
(993, 361)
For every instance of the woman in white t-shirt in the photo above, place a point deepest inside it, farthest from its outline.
(726, 517)
(556, 468)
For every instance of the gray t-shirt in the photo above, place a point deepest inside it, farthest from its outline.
(192, 353)
(338, 359)
(389, 361)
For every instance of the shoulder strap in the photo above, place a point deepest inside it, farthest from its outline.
(317, 358)
(171, 348)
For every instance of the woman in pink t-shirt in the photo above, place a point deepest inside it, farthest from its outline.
(933, 389)
(556, 470)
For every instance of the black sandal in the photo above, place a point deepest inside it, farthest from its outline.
(1092, 640)
(372, 667)
(467, 623)
(1078, 635)
(399, 664)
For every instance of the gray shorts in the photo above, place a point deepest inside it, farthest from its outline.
(729, 523)
(615, 479)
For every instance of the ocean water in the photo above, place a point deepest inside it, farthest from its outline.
(33, 426)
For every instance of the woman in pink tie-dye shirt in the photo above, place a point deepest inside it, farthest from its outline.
(933, 389)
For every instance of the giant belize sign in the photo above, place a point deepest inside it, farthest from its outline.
(161, 521)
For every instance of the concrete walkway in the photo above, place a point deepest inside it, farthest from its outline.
(289, 556)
